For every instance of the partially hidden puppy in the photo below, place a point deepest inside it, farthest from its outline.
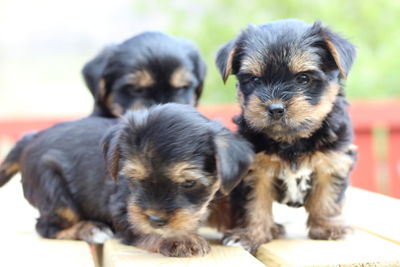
(147, 69)
(293, 110)
(159, 172)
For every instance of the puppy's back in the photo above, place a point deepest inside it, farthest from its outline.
(70, 150)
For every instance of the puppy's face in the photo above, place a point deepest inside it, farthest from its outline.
(148, 69)
(288, 75)
(173, 161)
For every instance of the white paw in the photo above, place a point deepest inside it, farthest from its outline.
(99, 236)
(232, 243)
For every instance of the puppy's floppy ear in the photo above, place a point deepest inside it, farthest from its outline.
(224, 59)
(341, 50)
(234, 156)
(93, 70)
(200, 71)
(112, 151)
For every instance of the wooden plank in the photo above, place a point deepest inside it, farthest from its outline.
(358, 249)
(28, 249)
(374, 213)
(21, 246)
(117, 255)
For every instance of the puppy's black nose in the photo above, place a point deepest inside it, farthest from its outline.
(294, 204)
(276, 110)
(157, 221)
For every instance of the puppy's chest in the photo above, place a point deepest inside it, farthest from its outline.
(290, 184)
(292, 187)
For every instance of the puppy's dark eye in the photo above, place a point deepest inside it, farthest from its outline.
(188, 184)
(182, 88)
(255, 80)
(133, 90)
(303, 79)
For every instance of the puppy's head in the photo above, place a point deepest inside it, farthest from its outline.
(173, 160)
(288, 74)
(150, 68)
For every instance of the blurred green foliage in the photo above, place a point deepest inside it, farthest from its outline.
(373, 26)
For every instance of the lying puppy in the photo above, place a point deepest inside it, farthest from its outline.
(147, 69)
(166, 164)
(294, 113)
(150, 68)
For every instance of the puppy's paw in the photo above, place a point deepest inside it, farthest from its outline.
(250, 242)
(329, 231)
(242, 238)
(95, 232)
(186, 246)
(277, 231)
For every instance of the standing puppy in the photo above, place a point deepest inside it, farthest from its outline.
(147, 69)
(294, 112)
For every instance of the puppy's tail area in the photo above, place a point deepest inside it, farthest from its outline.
(10, 165)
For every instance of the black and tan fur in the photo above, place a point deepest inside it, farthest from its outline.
(152, 178)
(290, 91)
(147, 69)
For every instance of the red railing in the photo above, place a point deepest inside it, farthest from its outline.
(376, 125)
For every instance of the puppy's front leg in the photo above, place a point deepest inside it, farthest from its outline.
(326, 198)
(258, 226)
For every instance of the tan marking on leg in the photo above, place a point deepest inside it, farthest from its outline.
(220, 214)
(260, 218)
(89, 231)
(259, 226)
(68, 214)
(8, 168)
(325, 209)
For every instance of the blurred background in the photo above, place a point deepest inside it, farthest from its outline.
(45, 43)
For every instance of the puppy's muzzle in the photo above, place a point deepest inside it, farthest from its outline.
(276, 110)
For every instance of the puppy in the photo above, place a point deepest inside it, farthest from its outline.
(147, 69)
(150, 68)
(162, 169)
(293, 111)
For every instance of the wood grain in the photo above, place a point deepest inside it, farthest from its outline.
(117, 255)
(369, 245)
(21, 246)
